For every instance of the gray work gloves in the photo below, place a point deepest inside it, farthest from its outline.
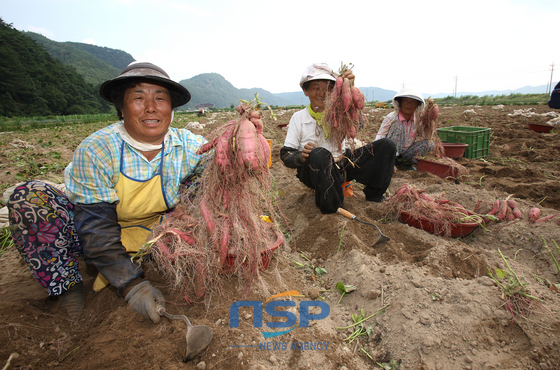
(144, 299)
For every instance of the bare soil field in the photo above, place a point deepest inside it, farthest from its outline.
(435, 305)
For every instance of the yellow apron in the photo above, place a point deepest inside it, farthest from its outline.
(141, 205)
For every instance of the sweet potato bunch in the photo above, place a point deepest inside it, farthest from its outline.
(241, 142)
(343, 109)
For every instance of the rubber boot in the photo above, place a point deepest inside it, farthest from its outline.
(73, 300)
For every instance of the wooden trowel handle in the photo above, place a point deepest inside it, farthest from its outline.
(345, 213)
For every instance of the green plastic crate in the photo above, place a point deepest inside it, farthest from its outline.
(478, 139)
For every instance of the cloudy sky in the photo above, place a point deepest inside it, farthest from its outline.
(431, 45)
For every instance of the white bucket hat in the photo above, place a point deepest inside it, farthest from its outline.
(411, 93)
(317, 71)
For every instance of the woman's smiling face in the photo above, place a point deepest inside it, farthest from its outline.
(317, 94)
(147, 112)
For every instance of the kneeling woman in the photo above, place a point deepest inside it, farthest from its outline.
(401, 127)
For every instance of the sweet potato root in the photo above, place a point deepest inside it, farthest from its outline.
(357, 98)
(346, 94)
(534, 214)
(546, 218)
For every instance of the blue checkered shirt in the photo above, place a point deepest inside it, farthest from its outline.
(95, 169)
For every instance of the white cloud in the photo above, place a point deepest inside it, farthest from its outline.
(89, 41)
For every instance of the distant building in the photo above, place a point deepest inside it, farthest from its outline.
(204, 106)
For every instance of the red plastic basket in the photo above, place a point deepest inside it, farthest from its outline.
(457, 230)
(454, 150)
(439, 169)
(540, 127)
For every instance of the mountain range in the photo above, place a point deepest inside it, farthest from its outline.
(97, 64)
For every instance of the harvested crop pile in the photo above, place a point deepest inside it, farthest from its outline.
(225, 224)
(439, 212)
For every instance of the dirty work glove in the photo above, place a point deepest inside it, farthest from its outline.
(144, 299)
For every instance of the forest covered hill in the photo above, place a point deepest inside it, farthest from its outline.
(214, 88)
(96, 64)
(33, 83)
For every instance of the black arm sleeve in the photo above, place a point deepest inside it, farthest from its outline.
(291, 157)
(100, 237)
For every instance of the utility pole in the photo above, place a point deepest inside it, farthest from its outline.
(455, 91)
(549, 88)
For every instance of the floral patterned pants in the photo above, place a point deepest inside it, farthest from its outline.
(418, 148)
(42, 226)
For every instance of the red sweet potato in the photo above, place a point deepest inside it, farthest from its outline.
(223, 149)
(502, 210)
(346, 94)
(355, 114)
(357, 97)
(512, 203)
(258, 124)
(352, 131)
(338, 85)
(546, 218)
(225, 198)
(206, 147)
(492, 212)
(400, 191)
(164, 249)
(514, 208)
(265, 150)
(509, 214)
(435, 113)
(249, 148)
(183, 235)
(534, 214)
(517, 213)
(430, 199)
(494, 209)
(210, 224)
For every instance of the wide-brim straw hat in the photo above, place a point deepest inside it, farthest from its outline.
(147, 71)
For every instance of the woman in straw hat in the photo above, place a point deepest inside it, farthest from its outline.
(122, 179)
